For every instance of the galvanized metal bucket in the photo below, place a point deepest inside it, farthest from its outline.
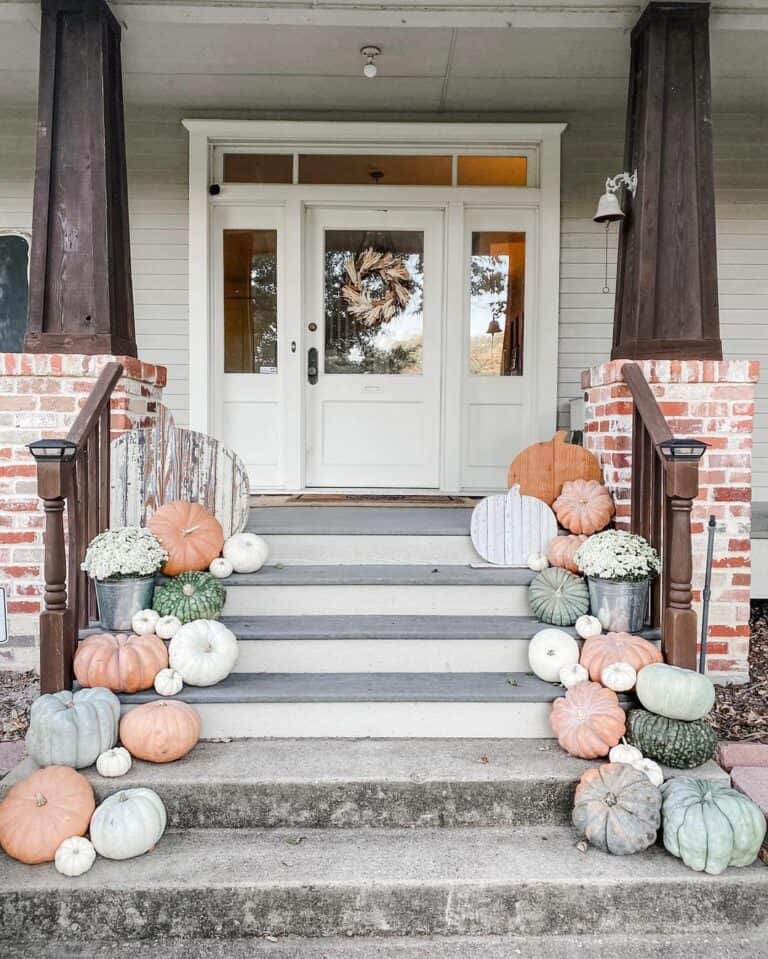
(620, 607)
(120, 599)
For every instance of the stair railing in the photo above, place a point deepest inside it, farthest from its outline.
(662, 493)
(82, 485)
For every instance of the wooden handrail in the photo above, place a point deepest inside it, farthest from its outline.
(662, 493)
(82, 485)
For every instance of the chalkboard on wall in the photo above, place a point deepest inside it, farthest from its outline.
(14, 258)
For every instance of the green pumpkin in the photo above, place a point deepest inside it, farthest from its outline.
(558, 597)
(671, 742)
(191, 596)
(710, 826)
(674, 692)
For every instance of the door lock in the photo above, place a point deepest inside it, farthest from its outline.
(312, 360)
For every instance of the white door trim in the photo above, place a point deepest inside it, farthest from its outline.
(539, 141)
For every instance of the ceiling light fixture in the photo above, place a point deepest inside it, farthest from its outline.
(369, 68)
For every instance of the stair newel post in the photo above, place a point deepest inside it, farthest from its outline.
(682, 485)
(57, 632)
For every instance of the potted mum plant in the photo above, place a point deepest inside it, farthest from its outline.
(619, 567)
(122, 563)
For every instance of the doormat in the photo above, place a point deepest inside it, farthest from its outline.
(373, 499)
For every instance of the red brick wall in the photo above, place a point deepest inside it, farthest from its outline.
(715, 402)
(40, 396)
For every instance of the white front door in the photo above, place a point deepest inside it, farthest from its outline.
(373, 347)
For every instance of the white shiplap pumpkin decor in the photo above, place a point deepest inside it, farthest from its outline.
(507, 528)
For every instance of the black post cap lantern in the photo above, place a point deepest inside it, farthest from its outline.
(683, 450)
(47, 451)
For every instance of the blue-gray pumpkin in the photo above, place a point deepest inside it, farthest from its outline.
(73, 729)
(674, 692)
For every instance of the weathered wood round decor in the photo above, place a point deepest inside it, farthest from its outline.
(541, 469)
(507, 528)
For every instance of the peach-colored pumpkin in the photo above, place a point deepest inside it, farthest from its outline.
(160, 731)
(190, 535)
(588, 721)
(562, 549)
(584, 506)
(122, 663)
(601, 651)
(43, 810)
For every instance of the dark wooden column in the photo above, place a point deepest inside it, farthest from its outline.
(666, 291)
(81, 296)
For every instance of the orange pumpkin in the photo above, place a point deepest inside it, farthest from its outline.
(562, 549)
(190, 535)
(601, 651)
(122, 663)
(588, 721)
(584, 506)
(43, 810)
(160, 731)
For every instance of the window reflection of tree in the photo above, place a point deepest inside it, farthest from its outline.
(498, 279)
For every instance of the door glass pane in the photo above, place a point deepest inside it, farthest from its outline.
(373, 169)
(373, 301)
(250, 301)
(492, 171)
(497, 295)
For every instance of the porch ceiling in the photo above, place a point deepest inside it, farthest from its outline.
(217, 59)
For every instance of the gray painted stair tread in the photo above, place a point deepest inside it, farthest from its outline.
(366, 688)
(360, 520)
(759, 521)
(381, 575)
(241, 859)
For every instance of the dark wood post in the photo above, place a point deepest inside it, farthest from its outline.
(57, 632)
(666, 288)
(679, 618)
(81, 295)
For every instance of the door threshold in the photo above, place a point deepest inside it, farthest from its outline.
(310, 498)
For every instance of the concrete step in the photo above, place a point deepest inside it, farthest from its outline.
(353, 783)
(351, 705)
(236, 884)
(736, 944)
(379, 589)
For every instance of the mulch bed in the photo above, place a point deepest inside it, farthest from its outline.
(741, 712)
(17, 691)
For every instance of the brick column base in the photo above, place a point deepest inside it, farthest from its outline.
(714, 402)
(40, 396)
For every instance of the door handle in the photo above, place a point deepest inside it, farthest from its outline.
(312, 360)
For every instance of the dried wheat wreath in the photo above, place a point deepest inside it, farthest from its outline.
(393, 275)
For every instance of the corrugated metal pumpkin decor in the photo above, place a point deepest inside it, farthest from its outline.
(507, 528)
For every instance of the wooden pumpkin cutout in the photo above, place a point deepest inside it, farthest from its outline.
(540, 470)
(507, 528)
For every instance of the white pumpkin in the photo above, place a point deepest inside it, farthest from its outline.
(128, 823)
(626, 754)
(549, 651)
(573, 674)
(247, 552)
(587, 626)
(619, 677)
(144, 622)
(651, 769)
(167, 627)
(537, 562)
(220, 568)
(114, 762)
(204, 652)
(75, 856)
(168, 682)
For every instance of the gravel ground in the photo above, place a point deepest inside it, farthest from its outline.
(741, 712)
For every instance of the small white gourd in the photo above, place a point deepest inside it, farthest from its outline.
(247, 552)
(573, 674)
(221, 568)
(537, 562)
(75, 856)
(587, 626)
(167, 627)
(550, 650)
(114, 762)
(619, 677)
(144, 622)
(626, 754)
(168, 682)
(651, 769)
